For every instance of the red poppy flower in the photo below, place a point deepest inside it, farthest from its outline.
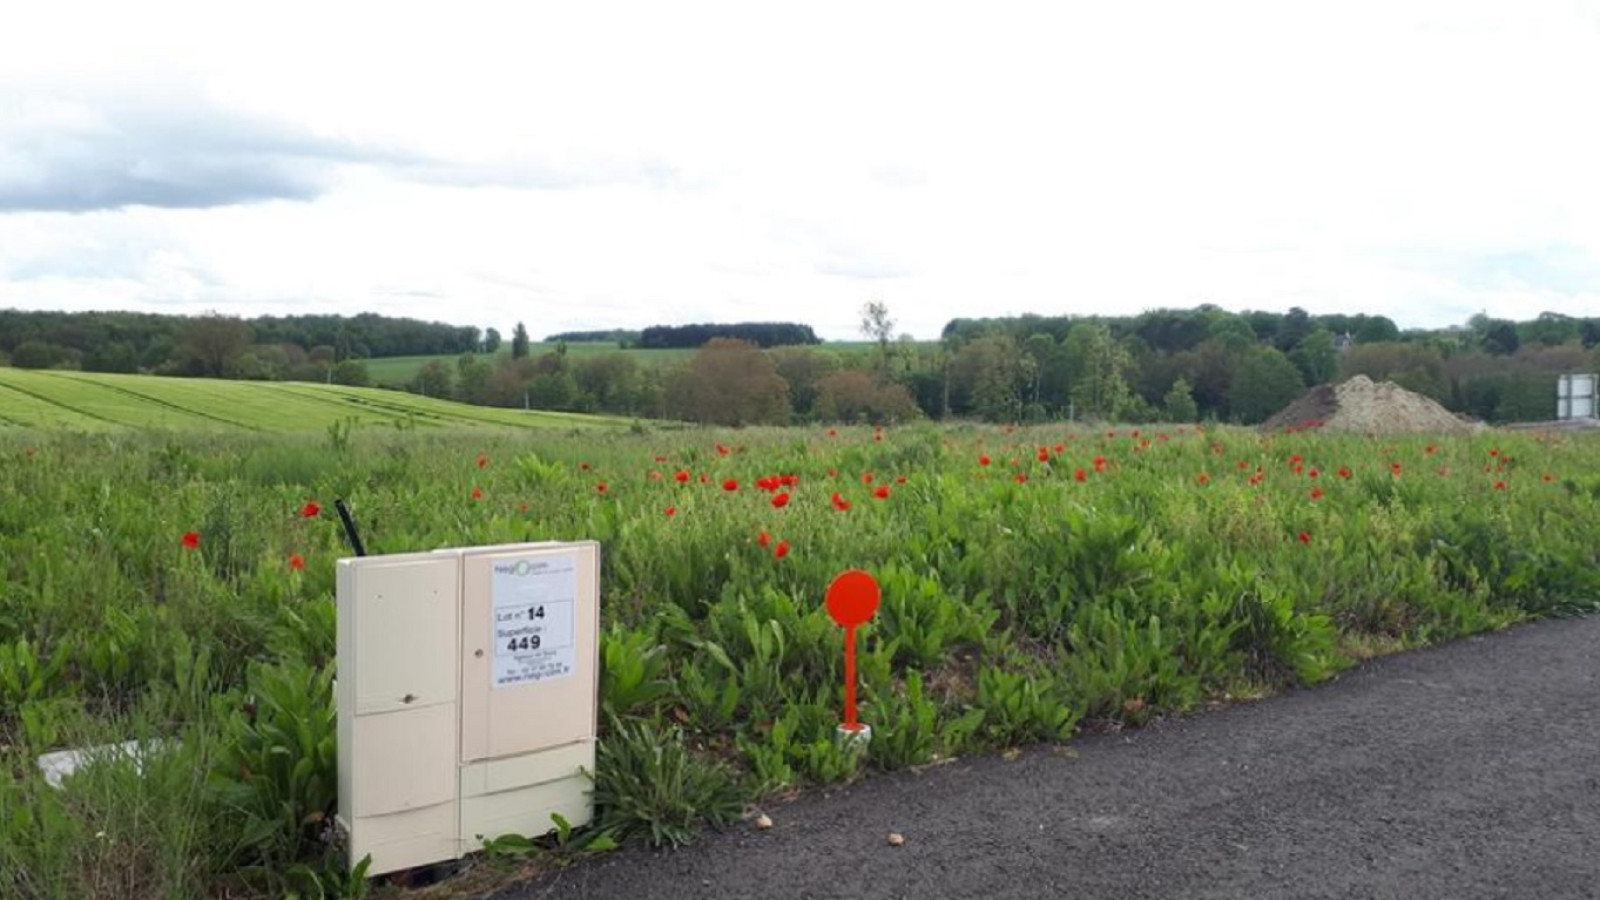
(1081, 475)
(1495, 451)
(779, 501)
(1394, 467)
(730, 485)
(191, 540)
(1241, 465)
(704, 478)
(671, 511)
(483, 460)
(764, 539)
(601, 487)
(1549, 478)
(1430, 449)
(833, 432)
(1044, 454)
(721, 450)
(840, 503)
(1298, 469)
(1061, 448)
(1316, 493)
(310, 510)
(682, 477)
(1099, 463)
(1344, 471)
(1204, 479)
(1296, 459)
(522, 508)
(1020, 478)
(881, 492)
(583, 467)
(1305, 537)
(866, 478)
(1313, 473)
(1499, 485)
(297, 562)
(983, 460)
(899, 479)
(477, 493)
(780, 551)
(661, 459)
(654, 475)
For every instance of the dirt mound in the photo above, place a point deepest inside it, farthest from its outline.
(1367, 407)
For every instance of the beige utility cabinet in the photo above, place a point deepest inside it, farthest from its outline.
(467, 691)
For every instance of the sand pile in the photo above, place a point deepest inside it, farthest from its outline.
(1363, 406)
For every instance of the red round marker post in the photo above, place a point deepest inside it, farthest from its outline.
(852, 600)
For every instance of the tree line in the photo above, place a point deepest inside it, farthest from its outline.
(303, 347)
(1163, 365)
(762, 334)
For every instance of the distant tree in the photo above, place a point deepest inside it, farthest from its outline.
(609, 382)
(112, 356)
(728, 382)
(472, 378)
(987, 379)
(1099, 367)
(352, 372)
(1549, 330)
(519, 342)
(1293, 329)
(857, 396)
(210, 344)
(1265, 382)
(877, 325)
(36, 355)
(1372, 329)
(491, 340)
(1179, 403)
(434, 379)
(1316, 357)
(552, 390)
(1048, 368)
(1415, 367)
(1233, 332)
(803, 368)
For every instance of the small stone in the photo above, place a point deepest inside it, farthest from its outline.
(763, 822)
(1012, 755)
(896, 839)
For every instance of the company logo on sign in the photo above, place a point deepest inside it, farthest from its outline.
(521, 567)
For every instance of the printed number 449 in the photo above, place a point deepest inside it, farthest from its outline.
(527, 642)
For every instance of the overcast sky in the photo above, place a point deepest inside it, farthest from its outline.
(592, 165)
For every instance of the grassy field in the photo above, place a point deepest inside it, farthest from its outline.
(83, 401)
(1036, 583)
(400, 370)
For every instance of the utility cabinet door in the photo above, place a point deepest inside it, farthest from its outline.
(529, 627)
(404, 630)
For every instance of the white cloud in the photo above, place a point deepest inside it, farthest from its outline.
(620, 165)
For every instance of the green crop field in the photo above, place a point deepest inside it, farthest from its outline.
(1037, 582)
(92, 402)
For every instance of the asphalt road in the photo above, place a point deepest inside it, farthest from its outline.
(1470, 770)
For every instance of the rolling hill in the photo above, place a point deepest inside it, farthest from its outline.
(83, 401)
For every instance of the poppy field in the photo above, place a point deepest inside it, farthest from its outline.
(1037, 583)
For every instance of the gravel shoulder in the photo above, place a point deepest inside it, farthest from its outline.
(1463, 771)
